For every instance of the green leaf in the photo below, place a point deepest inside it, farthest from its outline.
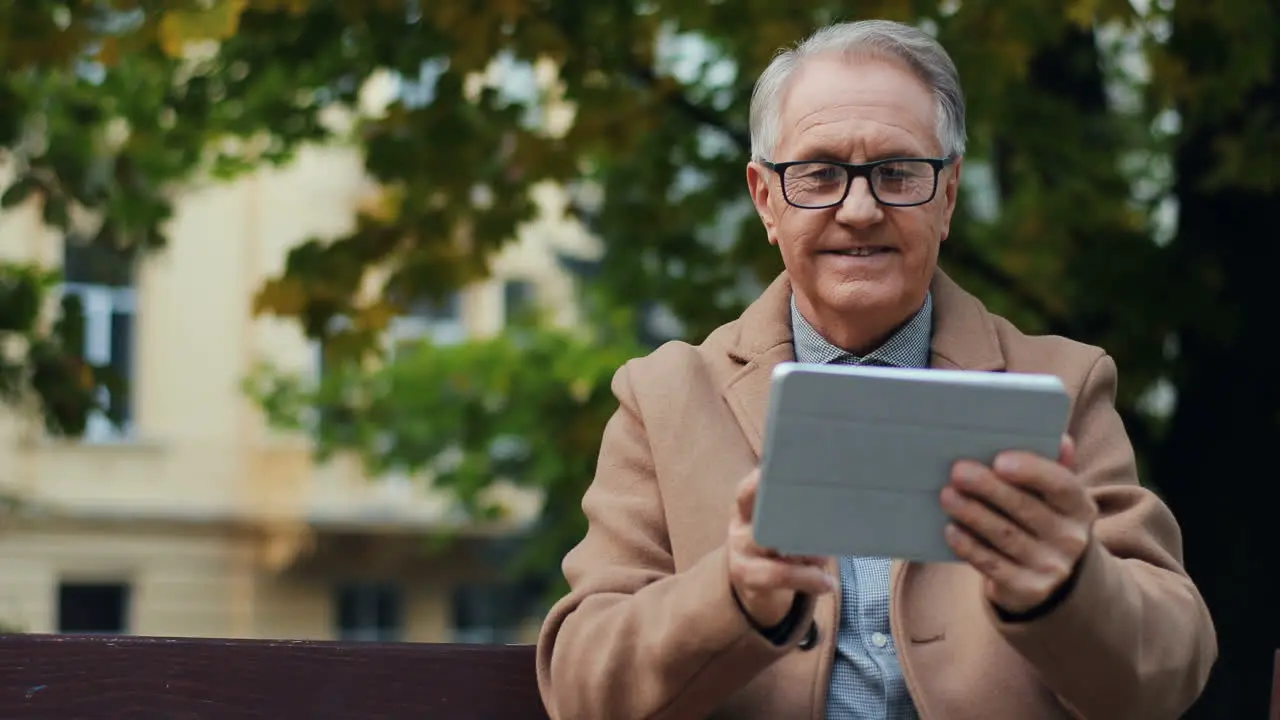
(56, 213)
(17, 192)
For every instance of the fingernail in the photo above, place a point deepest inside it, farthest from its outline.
(948, 496)
(832, 583)
(1006, 462)
(966, 473)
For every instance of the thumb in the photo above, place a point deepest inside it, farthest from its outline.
(746, 501)
(1067, 452)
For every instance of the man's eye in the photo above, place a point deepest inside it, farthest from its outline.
(823, 174)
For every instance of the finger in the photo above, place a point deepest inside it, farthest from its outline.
(742, 541)
(1010, 586)
(1050, 480)
(999, 570)
(746, 500)
(991, 527)
(759, 574)
(1067, 452)
(806, 560)
(984, 558)
(1028, 510)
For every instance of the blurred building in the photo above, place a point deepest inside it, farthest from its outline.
(195, 519)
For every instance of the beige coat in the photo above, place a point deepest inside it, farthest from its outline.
(650, 629)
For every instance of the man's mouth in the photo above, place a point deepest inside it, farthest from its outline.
(866, 251)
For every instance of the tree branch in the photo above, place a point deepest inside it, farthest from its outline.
(705, 115)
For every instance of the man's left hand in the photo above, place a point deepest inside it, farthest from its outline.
(1024, 523)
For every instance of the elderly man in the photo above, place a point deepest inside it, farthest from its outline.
(1071, 600)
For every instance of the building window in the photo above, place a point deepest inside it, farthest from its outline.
(93, 608)
(517, 299)
(448, 310)
(437, 322)
(489, 613)
(370, 612)
(102, 281)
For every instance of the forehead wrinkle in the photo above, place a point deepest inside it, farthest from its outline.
(871, 136)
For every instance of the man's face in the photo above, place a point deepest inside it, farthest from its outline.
(856, 111)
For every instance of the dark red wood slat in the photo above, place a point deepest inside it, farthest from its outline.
(47, 677)
(1275, 689)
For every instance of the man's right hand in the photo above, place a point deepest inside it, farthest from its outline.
(766, 583)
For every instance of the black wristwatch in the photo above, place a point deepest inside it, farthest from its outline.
(780, 633)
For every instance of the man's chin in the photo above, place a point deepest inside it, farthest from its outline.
(857, 296)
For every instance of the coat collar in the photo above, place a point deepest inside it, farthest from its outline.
(964, 338)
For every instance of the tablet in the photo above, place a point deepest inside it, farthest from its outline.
(855, 457)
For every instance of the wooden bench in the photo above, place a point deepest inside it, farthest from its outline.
(53, 677)
(1275, 689)
(47, 677)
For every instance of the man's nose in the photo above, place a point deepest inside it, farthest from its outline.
(860, 207)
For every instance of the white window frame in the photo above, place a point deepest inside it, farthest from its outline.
(100, 302)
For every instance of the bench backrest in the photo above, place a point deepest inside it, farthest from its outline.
(50, 676)
(1275, 689)
(59, 676)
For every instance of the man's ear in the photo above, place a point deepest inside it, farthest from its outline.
(950, 191)
(758, 177)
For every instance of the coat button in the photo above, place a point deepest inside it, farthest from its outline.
(810, 639)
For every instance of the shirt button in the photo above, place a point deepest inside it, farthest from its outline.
(879, 640)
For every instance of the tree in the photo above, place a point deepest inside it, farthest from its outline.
(664, 148)
(1224, 78)
(1069, 235)
(104, 107)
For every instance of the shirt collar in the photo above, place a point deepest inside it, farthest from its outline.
(907, 347)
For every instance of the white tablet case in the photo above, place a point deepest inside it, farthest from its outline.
(855, 457)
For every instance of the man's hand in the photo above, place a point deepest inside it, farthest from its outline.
(1024, 524)
(765, 582)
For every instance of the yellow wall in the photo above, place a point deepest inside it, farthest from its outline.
(187, 580)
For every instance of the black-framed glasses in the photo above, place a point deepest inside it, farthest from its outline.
(896, 182)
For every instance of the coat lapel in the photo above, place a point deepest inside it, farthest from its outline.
(763, 341)
(964, 333)
(964, 337)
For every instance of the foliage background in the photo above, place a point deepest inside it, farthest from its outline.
(1124, 166)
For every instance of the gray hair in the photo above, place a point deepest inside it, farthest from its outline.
(868, 38)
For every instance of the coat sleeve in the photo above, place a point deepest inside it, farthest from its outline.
(1134, 638)
(633, 638)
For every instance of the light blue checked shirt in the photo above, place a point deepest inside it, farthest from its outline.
(866, 677)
